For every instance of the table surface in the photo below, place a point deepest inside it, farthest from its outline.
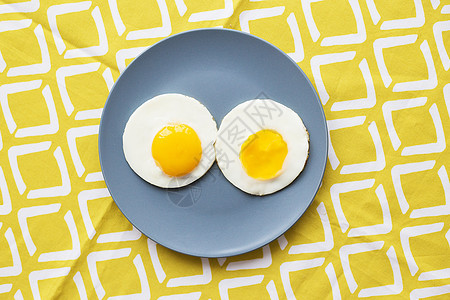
(379, 225)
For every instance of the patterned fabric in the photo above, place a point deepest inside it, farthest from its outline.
(379, 225)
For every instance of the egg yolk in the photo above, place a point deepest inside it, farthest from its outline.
(176, 149)
(262, 154)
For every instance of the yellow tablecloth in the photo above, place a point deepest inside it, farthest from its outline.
(379, 225)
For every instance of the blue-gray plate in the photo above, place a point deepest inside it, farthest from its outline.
(221, 68)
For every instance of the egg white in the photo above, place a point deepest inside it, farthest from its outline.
(149, 118)
(248, 118)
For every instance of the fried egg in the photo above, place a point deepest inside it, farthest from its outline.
(169, 140)
(262, 146)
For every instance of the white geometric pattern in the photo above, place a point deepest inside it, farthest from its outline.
(430, 292)
(83, 198)
(392, 289)
(18, 295)
(122, 236)
(16, 268)
(417, 21)
(211, 15)
(404, 169)
(62, 190)
(204, 278)
(106, 255)
(5, 288)
(200, 279)
(298, 265)
(436, 147)
(405, 235)
(272, 290)
(64, 72)
(346, 187)
(340, 124)
(326, 245)
(9, 26)
(391, 106)
(264, 262)
(352, 38)
(72, 135)
(377, 165)
(125, 54)
(395, 41)
(326, 59)
(446, 92)
(188, 296)
(21, 7)
(38, 68)
(163, 31)
(5, 207)
(30, 212)
(232, 283)
(80, 286)
(39, 275)
(153, 251)
(438, 29)
(246, 16)
(62, 9)
(13, 88)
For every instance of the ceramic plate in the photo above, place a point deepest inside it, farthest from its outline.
(221, 68)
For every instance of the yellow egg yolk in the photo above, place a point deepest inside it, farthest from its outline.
(262, 154)
(176, 149)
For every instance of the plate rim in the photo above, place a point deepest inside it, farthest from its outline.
(322, 167)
